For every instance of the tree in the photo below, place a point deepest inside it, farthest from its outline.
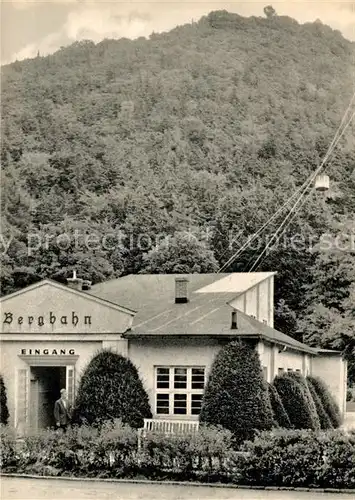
(236, 395)
(285, 318)
(182, 253)
(329, 321)
(327, 400)
(4, 412)
(279, 412)
(110, 388)
(269, 11)
(295, 402)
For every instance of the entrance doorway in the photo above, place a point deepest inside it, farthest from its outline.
(46, 382)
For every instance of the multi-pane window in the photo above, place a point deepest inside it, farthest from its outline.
(179, 390)
(280, 371)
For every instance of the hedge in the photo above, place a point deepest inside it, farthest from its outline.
(293, 458)
(4, 412)
(296, 404)
(328, 401)
(110, 388)
(236, 395)
(288, 458)
(280, 415)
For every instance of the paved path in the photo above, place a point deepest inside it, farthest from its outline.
(56, 489)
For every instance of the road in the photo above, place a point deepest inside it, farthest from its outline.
(57, 489)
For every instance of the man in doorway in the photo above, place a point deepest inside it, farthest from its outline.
(62, 411)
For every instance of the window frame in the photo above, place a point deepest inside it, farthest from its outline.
(171, 391)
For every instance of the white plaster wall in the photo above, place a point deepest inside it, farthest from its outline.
(333, 371)
(146, 354)
(258, 301)
(10, 362)
(60, 301)
(251, 302)
(265, 352)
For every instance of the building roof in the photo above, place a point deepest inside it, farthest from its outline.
(151, 294)
(206, 314)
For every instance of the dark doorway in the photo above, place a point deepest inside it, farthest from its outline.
(46, 383)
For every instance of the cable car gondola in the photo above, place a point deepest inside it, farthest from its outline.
(322, 183)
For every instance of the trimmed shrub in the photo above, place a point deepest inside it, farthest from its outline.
(8, 458)
(295, 402)
(4, 412)
(325, 422)
(299, 459)
(279, 412)
(205, 455)
(236, 395)
(327, 400)
(310, 401)
(110, 389)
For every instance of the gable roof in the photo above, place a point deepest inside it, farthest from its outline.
(151, 294)
(248, 326)
(67, 289)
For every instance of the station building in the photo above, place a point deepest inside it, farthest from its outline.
(170, 326)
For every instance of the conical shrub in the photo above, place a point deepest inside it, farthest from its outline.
(328, 401)
(295, 402)
(236, 395)
(278, 410)
(110, 388)
(310, 401)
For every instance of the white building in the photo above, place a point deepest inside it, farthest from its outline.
(170, 326)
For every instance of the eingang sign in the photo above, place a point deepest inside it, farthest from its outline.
(46, 352)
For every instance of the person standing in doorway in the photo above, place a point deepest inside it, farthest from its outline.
(62, 411)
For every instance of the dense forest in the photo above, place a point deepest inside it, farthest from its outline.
(198, 135)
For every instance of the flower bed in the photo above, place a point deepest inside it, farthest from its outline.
(285, 458)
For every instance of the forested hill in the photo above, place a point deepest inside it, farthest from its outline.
(209, 127)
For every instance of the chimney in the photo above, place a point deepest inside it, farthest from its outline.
(74, 282)
(181, 293)
(234, 321)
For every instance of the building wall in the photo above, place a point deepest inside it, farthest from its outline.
(54, 309)
(272, 357)
(333, 370)
(11, 363)
(258, 302)
(149, 353)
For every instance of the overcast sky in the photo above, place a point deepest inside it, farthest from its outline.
(31, 25)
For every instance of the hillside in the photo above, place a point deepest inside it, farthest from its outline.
(211, 127)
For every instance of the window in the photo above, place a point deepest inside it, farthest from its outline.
(289, 370)
(298, 370)
(280, 371)
(265, 372)
(179, 390)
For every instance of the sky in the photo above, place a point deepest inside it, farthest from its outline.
(29, 26)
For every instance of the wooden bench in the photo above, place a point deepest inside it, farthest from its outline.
(167, 427)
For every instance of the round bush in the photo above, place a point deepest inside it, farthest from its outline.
(110, 389)
(279, 412)
(295, 402)
(327, 400)
(236, 395)
(4, 412)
